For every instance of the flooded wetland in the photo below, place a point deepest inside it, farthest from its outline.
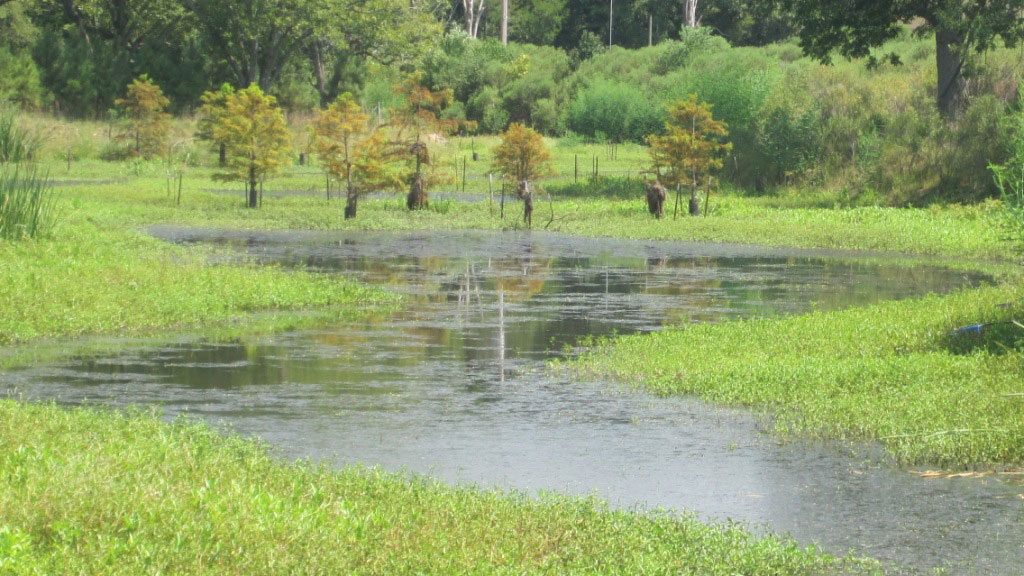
(457, 385)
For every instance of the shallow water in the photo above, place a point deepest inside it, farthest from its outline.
(455, 386)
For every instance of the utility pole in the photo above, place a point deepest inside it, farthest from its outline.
(504, 22)
(650, 30)
(611, 19)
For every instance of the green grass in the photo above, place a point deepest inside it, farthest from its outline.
(972, 232)
(890, 373)
(88, 279)
(90, 492)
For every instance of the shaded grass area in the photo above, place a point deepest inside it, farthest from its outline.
(91, 279)
(893, 373)
(95, 492)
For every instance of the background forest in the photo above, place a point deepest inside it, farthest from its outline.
(867, 125)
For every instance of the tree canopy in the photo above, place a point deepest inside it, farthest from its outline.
(960, 27)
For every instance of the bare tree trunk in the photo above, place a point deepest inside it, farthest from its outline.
(504, 22)
(473, 10)
(950, 62)
(690, 9)
(611, 21)
(650, 30)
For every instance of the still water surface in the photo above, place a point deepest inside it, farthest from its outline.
(455, 385)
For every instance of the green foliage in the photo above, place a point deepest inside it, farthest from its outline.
(522, 155)
(256, 138)
(148, 124)
(890, 373)
(97, 492)
(617, 111)
(20, 82)
(693, 146)
(1009, 178)
(26, 204)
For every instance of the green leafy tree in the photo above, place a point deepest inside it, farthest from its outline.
(256, 138)
(214, 104)
(692, 148)
(145, 110)
(353, 150)
(522, 157)
(960, 26)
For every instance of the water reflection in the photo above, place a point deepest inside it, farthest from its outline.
(455, 385)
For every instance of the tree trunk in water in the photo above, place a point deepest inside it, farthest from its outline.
(949, 60)
(254, 198)
(351, 204)
(656, 195)
(526, 195)
(417, 199)
(694, 204)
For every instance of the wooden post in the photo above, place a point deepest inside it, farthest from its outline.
(502, 198)
(328, 176)
(463, 174)
(180, 176)
(490, 194)
(575, 168)
(675, 212)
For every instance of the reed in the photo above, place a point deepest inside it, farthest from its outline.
(26, 204)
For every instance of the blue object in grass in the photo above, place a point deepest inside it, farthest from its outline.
(973, 329)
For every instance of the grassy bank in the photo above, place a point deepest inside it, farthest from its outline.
(890, 373)
(99, 493)
(956, 231)
(91, 279)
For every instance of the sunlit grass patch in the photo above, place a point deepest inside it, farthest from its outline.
(893, 373)
(95, 492)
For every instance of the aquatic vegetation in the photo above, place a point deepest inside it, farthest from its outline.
(87, 280)
(97, 492)
(895, 373)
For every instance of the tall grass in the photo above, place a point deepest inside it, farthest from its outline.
(17, 144)
(26, 204)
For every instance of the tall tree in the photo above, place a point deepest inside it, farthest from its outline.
(213, 108)
(504, 22)
(960, 26)
(353, 149)
(257, 39)
(522, 157)
(691, 149)
(145, 109)
(419, 117)
(256, 137)
(473, 12)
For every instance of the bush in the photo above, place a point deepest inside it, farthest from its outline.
(615, 110)
(1009, 177)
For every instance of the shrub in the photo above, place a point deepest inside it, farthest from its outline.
(618, 111)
